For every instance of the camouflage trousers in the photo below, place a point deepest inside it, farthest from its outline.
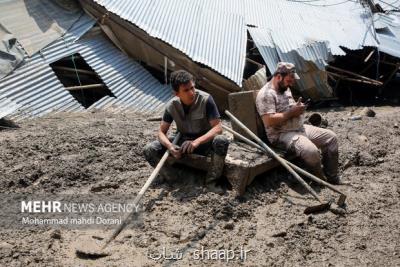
(217, 147)
(307, 146)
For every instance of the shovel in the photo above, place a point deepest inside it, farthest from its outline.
(97, 251)
(342, 196)
(317, 208)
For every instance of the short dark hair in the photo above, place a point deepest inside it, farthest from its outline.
(180, 77)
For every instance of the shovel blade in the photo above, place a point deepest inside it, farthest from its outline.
(90, 247)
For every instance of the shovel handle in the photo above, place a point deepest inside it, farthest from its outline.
(141, 192)
(296, 168)
(273, 154)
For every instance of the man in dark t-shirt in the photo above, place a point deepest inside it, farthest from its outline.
(198, 120)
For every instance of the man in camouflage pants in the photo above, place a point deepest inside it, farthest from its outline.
(198, 120)
(283, 122)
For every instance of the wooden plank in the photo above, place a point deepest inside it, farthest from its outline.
(242, 106)
(351, 73)
(239, 173)
(83, 87)
(74, 70)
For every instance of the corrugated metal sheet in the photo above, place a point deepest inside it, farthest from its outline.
(7, 107)
(389, 44)
(288, 31)
(11, 54)
(215, 40)
(133, 86)
(37, 89)
(310, 61)
(37, 23)
(388, 32)
(307, 33)
(295, 24)
(389, 4)
(298, 23)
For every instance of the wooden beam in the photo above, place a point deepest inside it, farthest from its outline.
(83, 87)
(74, 70)
(369, 56)
(351, 73)
(392, 74)
(383, 61)
(362, 81)
(344, 78)
(255, 62)
(370, 64)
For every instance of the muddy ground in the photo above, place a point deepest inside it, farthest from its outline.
(101, 153)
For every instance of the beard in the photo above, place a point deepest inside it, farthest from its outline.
(281, 87)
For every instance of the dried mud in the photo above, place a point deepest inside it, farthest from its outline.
(102, 153)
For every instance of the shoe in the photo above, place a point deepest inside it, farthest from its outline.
(336, 180)
(216, 168)
(168, 173)
(317, 171)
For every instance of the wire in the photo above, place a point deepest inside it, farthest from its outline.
(79, 80)
(391, 4)
(76, 71)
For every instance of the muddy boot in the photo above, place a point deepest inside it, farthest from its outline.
(331, 162)
(214, 173)
(153, 153)
(168, 173)
(317, 171)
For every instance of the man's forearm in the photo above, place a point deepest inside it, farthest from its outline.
(278, 118)
(162, 137)
(214, 131)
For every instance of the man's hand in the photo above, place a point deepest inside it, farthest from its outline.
(188, 147)
(175, 152)
(297, 109)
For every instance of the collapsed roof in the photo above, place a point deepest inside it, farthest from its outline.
(212, 33)
(34, 89)
(209, 38)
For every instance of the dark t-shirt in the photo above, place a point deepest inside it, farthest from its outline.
(211, 111)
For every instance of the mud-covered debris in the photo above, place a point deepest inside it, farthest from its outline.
(368, 112)
(280, 234)
(229, 225)
(104, 185)
(355, 118)
(55, 234)
(67, 155)
(5, 245)
(363, 138)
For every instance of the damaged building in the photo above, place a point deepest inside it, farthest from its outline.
(70, 56)
(226, 44)
(69, 68)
